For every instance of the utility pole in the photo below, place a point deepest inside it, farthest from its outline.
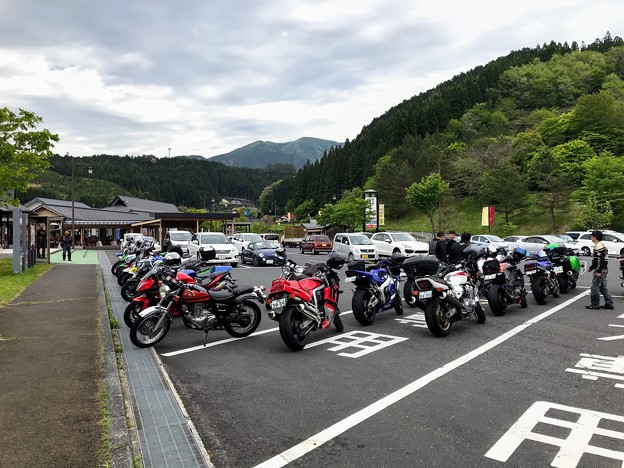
(169, 152)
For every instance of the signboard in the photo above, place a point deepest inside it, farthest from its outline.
(371, 210)
(382, 215)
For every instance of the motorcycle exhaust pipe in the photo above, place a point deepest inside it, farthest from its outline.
(449, 298)
(272, 315)
(309, 313)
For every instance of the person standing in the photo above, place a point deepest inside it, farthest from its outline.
(457, 251)
(599, 266)
(451, 240)
(440, 248)
(41, 241)
(66, 244)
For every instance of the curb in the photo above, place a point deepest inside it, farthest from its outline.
(119, 434)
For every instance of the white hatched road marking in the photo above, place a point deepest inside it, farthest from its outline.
(613, 338)
(572, 447)
(341, 427)
(416, 320)
(366, 342)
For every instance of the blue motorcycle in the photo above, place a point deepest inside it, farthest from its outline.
(543, 278)
(376, 288)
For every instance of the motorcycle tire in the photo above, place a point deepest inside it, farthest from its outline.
(538, 287)
(480, 313)
(408, 289)
(338, 324)
(132, 313)
(290, 329)
(142, 333)
(563, 284)
(244, 321)
(496, 303)
(571, 283)
(362, 312)
(122, 278)
(556, 292)
(435, 316)
(128, 290)
(398, 304)
(114, 267)
(523, 302)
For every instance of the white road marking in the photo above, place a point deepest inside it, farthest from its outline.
(613, 338)
(341, 427)
(364, 342)
(230, 340)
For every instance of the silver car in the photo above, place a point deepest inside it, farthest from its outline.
(533, 244)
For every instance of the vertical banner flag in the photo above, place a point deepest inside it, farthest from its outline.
(371, 210)
(382, 215)
(487, 216)
(491, 216)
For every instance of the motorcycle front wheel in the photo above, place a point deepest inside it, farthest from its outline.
(437, 316)
(479, 313)
(495, 300)
(144, 333)
(408, 290)
(398, 304)
(338, 324)
(132, 313)
(362, 310)
(290, 326)
(244, 321)
(538, 288)
(115, 267)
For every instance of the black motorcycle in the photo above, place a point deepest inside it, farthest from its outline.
(506, 282)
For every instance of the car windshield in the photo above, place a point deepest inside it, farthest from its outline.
(360, 240)
(565, 238)
(552, 239)
(180, 236)
(252, 238)
(271, 237)
(321, 239)
(494, 238)
(213, 239)
(402, 237)
(263, 245)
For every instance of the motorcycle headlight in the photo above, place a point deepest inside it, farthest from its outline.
(163, 290)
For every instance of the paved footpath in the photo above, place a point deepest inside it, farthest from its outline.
(51, 370)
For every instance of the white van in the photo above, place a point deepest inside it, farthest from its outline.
(177, 238)
(354, 246)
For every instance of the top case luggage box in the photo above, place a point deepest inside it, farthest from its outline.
(421, 265)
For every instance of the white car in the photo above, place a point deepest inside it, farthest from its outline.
(241, 241)
(512, 241)
(533, 244)
(485, 240)
(177, 238)
(354, 246)
(613, 241)
(388, 243)
(225, 252)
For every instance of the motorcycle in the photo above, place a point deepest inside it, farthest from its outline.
(541, 274)
(506, 282)
(376, 288)
(453, 297)
(308, 303)
(233, 310)
(568, 268)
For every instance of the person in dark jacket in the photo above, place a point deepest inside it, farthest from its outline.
(599, 267)
(450, 242)
(66, 244)
(41, 241)
(457, 250)
(440, 247)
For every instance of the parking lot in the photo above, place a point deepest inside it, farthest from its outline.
(536, 387)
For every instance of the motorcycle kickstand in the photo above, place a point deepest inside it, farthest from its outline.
(206, 330)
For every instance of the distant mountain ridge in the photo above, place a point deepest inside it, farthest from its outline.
(260, 154)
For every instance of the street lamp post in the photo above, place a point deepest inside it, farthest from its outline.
(73, 194)
(213, 205)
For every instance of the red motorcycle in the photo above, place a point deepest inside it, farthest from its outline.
(307, 303)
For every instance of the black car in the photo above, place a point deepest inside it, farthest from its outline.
(263, 253)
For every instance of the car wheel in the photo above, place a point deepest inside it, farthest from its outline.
(350, 258)
(313, 251)
(243, 261)
(301, 249)
(254, 261)
(586, 251)
(234, 265)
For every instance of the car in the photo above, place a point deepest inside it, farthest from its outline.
(263, 253)
(154, 242)
(485, 240)
(315, 243)
(131, 238)
(354, 246)
(512, 241)
(388, 243)
(225, 252)
(366, 233)
(574, 234)
(613, 241)
(177, 238)
(533, 244)
(270, 236)
(566, 238)
(242, 240)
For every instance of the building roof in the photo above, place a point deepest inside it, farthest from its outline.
(51, 202)
(138, 204)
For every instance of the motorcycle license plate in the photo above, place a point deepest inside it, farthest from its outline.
(558, 269)
(364, 256)
(424, 295)
(269, 262)
(489, 277)
(350, 279)
(278, 303)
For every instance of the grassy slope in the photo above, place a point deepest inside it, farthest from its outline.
(13, 284)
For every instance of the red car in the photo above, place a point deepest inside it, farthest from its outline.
(316, 243)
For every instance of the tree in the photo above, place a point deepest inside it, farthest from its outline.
(427, 194)
(503, 186)
(350, 212)
(24, 152)
(595, 214)
(305, 210)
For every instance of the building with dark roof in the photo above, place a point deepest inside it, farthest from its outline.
(126, 203)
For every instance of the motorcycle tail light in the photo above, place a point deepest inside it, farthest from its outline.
(530, 267)
(424, 285)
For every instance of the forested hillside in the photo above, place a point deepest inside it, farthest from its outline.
(540, 129)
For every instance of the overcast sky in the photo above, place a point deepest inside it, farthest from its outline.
(206, 77)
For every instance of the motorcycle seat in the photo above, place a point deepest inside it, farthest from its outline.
(230, 294)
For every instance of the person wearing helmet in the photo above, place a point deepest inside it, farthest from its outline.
(335, 261)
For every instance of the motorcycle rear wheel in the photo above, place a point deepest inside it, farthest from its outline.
(290, 329)
(143, 334)
(247, 319)
(398, 304)
(436, 316)
(495, 301)
(408, 289)
(362, 311)
(563, 284)
(538, 288)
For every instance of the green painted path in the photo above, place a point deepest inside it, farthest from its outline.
(79, 257)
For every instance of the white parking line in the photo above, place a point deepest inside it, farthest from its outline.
(229, 340)
(341, 427)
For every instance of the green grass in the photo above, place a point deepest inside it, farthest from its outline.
(11, 285)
